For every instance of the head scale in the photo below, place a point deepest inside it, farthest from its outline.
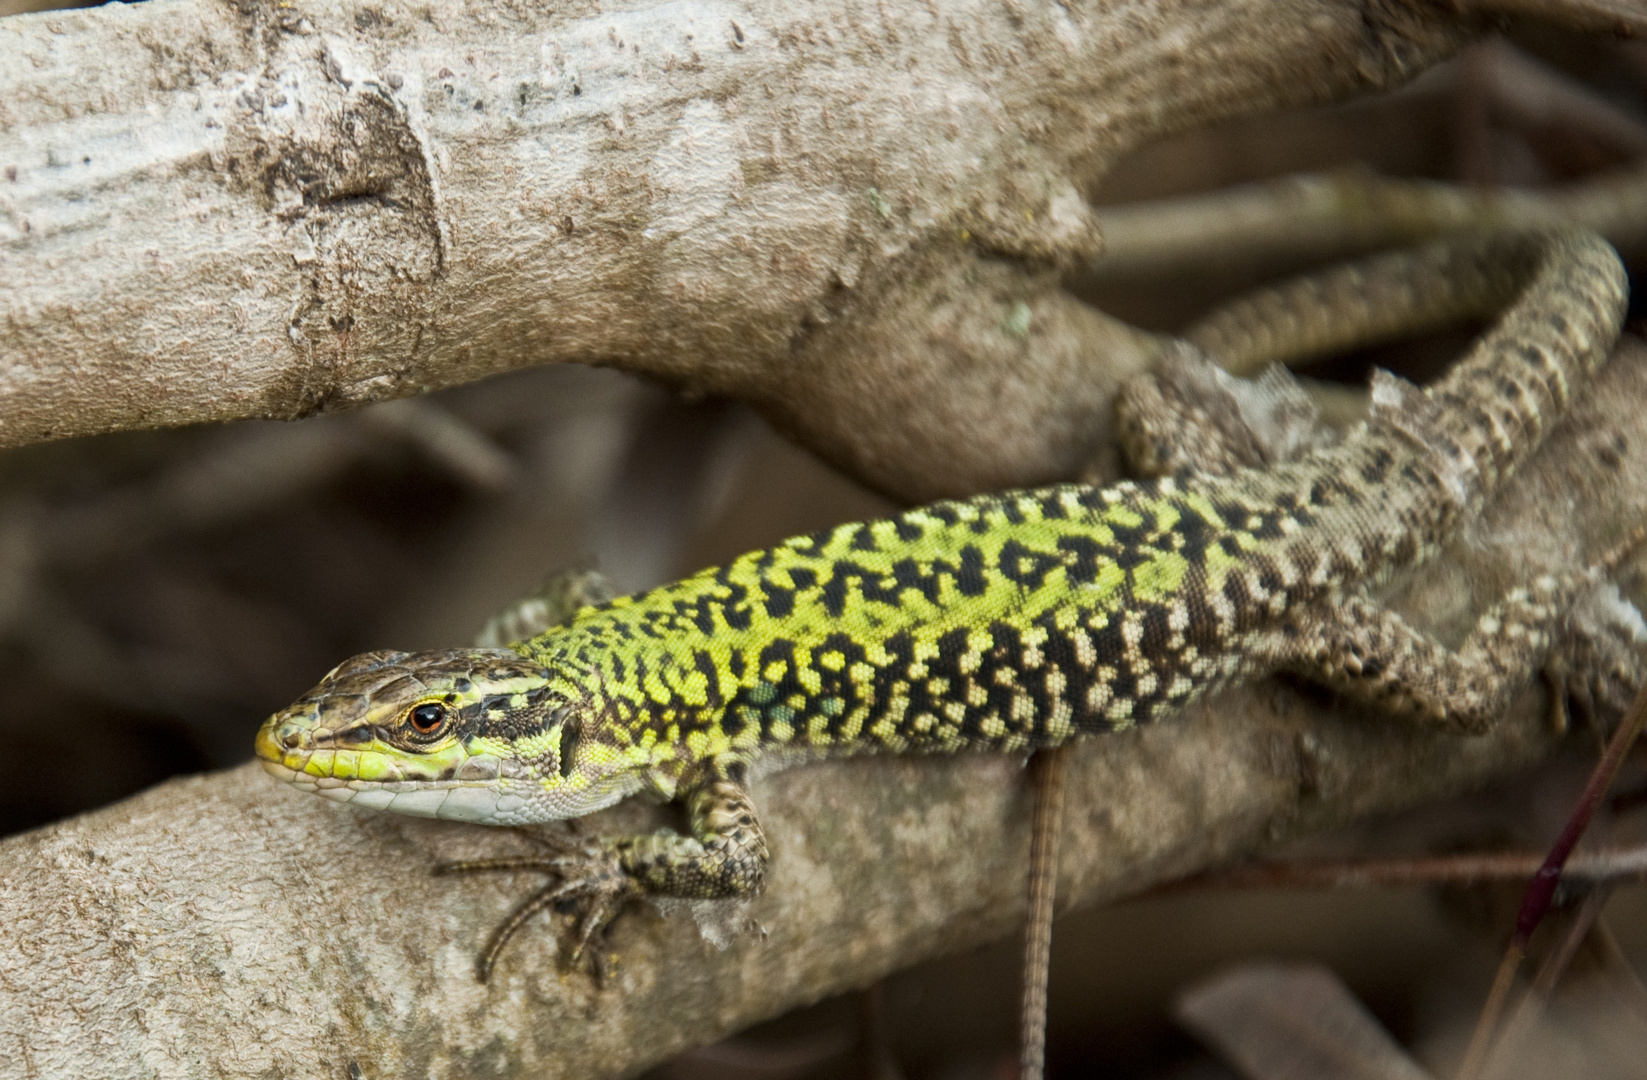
(467, 734)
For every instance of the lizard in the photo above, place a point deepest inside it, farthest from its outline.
(1017, 621)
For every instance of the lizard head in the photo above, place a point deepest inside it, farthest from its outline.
(467, 734)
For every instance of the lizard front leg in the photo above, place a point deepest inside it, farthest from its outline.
(724, 857)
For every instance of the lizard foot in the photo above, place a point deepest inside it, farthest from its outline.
(588, 876)
(1597, 664)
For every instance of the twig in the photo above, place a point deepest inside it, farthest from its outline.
(1324, 214)
(1542, 889)
(1623, 864)
(1550, 972)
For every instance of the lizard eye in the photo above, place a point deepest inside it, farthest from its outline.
(426, 719)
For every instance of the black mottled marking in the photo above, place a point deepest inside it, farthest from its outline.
(1376, 466)
(1026, 566)
(1052, 505)
(1269, 576)
(1235, 591)
(970, 579)
(1084, 557)
(1130, 556)
(1132, 537)
(1108, 644)
(1153, 643)
(706, 664)
(1194, 534)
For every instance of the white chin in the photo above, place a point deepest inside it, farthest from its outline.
(477, 803)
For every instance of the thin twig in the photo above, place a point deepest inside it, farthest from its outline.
(1536, 903)
(1550, 972)
(1619, 864)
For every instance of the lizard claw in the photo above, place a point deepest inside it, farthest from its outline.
(588, 874)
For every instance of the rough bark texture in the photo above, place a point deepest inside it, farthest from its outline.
(224, 926)
(212, 210)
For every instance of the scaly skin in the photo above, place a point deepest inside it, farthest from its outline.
(1003, 622)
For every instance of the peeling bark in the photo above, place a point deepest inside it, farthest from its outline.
(225, 926)
(214, 210)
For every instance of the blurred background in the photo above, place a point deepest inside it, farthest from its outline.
(161, 592)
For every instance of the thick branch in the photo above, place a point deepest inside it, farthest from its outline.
(212, 210)
(226, 926)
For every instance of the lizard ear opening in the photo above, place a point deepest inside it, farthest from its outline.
(571, 732)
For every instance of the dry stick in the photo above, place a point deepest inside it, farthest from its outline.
(1536, 902)
(1618, 864)
(1549, 973)
(1322, 215)
(1050, 767)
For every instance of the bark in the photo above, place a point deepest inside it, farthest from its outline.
(225, 926)
(843, 213)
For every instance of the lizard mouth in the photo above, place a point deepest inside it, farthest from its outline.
(472, 789)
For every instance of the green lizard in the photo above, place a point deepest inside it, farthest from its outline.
(1015, 621)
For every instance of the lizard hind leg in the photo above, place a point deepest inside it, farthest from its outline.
(1190, 415)
(1577, 629)
(553, 603)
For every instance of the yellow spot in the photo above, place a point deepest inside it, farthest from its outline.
(1059, 725)
(854, 724)
(694, 688)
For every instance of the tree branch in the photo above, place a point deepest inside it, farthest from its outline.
(214, 210)
(225, 926)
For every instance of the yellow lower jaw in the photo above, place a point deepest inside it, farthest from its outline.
(266, 747)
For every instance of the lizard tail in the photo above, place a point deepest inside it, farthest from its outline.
(1496, 405)
(1562, 297)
